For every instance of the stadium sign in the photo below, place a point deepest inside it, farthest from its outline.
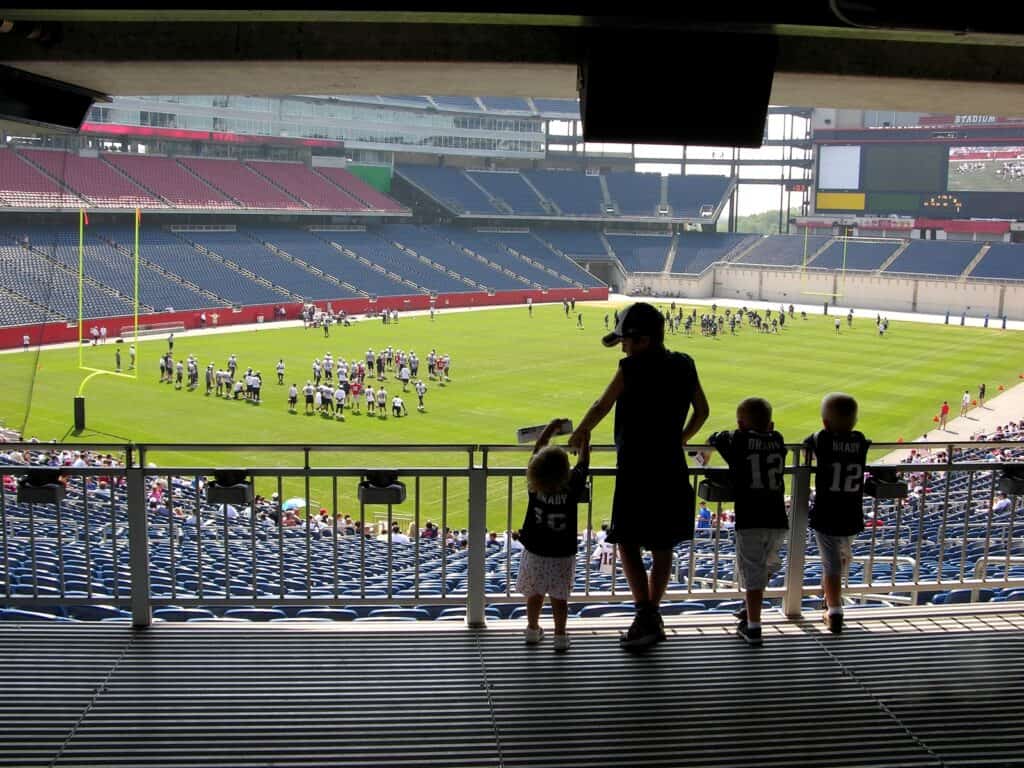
(973, 119)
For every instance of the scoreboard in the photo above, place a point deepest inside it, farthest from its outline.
(945, 175)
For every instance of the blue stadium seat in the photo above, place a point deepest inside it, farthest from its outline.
(334, 614)
(254, 614)
(935, 257)
(603, 609)
(17, 614)
(674, 609)
(413, 613)
(784, 250)
(95, 612)
(1003, 261)
(182, 614)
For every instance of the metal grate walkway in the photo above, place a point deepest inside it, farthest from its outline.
(899, 688)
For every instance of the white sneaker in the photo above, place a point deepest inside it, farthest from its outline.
(534, 636)
(561, 643)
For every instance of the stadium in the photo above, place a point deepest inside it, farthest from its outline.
(266, 357)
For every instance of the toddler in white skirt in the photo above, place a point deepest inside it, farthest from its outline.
(549, 534)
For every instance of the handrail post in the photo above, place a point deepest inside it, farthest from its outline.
(477, 547)
(797, 548)
(138, 547)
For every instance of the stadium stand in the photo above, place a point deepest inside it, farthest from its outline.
(1003, 261)
(162, 176)
(440, 251)
(92, 179)
(510, 188)
(695, 252)
(241, 184)
(866, 256)
(18, 311)
(319, 253)
(563, 106)
(30, 276)
(575, 243)
(115, 268)
(176, 255)
(532, 248)
(783, 250)
(937, 532)
(457, 103)
(306, 185)
(378, 250)
(935, 257)
(450, 187)
(641, 253)
(359, 189)
(492, 250)
(635, 194)
(22, 185)
(249, 254)
(575, 194)
(406, 101)
(494, 103)
(688, 194)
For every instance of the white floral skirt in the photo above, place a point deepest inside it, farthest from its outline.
(539, 575)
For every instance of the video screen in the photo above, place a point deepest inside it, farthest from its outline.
(986, 169)
(903, 167)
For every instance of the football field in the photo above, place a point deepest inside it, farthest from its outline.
(508, 370)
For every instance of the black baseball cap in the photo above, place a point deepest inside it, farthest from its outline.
(640, 319)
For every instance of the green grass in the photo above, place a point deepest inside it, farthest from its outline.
(508, 371)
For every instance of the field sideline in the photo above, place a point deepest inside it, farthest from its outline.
(508, 371)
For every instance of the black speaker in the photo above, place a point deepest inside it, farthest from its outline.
(37, 100)
(675, 87)
(79, 414)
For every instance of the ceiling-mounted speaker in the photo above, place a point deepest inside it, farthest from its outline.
(35, 100)
(676, 87)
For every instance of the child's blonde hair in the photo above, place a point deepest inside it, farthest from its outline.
(548, 470)
(840, 411)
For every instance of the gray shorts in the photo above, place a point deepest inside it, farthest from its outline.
(757, 555)
(835, 553)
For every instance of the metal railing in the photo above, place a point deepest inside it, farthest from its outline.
(107, 543)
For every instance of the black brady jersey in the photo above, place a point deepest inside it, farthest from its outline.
(757, 461)
(549, 528)
(838, 482)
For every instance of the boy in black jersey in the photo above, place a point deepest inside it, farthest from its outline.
(837, 512)
(756, 455)
(549, 534)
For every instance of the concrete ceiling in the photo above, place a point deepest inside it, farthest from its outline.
(824, 59)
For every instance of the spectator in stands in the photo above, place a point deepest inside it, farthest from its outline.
(704, 516)
(653, 503)
(837, 515)
(756, 455)
(1002, 504)
(549, 534)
